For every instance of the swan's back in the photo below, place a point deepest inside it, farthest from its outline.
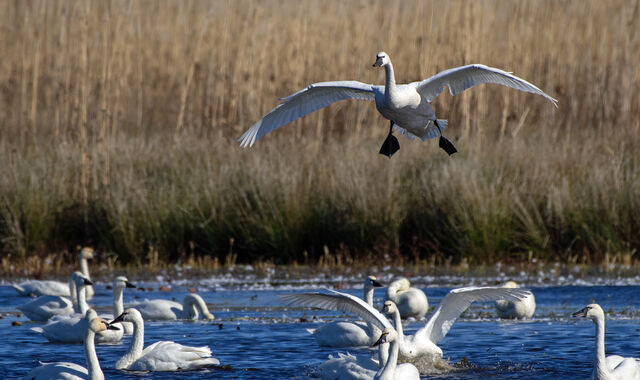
(347, 367)
(58, 371)
(42, 288)
(171, 356)
(159, 309)
(45, 307)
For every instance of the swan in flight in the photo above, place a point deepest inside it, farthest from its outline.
(160, 356)
(412, 302)
(424, 341)
(406, 106)
(350, 334)
(69, 329)
(523, 308)
(349, 367)
(72, 371)
(613, 367)
(168, 310)
(37, 288)
(45, 307)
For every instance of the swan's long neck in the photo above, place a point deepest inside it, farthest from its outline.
(397, 321)
(600, 371)
(82, 300)
(368, 295)
(137, 343)
(73, 293)
(189, 308)
(93, 366)
(388, 372)
(118, 305)
(383, 354)
(84, 267)
(390, 80)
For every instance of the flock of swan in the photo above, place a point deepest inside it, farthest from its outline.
(70, 319)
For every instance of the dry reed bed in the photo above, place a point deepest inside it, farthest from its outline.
(119, 120)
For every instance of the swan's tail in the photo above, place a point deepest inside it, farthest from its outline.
(311, 331)
(432, 130)
(18, 288)
(37, 329)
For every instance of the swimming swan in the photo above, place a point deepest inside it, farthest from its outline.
(349, 367)
(613, 367)
(425, 340)
(160, 356)
(523, 308)
(350, 334)
(45, 307)
(405, 105)
(412, 302)
(37, 288)
(168, 310)
(72, 371)
(69, 329)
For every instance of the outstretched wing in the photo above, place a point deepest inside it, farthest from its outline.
(461, 78)
(341, 302)
(456, 302)
(303, 102)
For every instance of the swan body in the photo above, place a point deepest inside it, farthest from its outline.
(37, 288)
(612, 367)
(407, 106)
(350, 334)
(523, 308)
(72, 371)
(159, 356)
(411, 302)
(43, 308)
(424, 341)
(71, 329)
(169, 310)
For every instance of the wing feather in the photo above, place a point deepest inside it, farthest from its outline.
(340, 302)
(310, 99)
(461, 78)
(456, 302)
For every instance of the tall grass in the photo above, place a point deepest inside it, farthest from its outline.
(119, 121)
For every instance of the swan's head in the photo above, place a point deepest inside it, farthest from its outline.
(98, 324)
(382, 59)
(371, 282)
(87, 253)
(121, 282)
(511, 285)
(80, 279)
(208, 316)
(128, 315)
(593, 312)
(388, 335)
(389, 307)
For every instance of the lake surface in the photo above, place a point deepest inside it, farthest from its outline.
(260, 338)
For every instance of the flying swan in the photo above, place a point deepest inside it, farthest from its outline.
(72, 371)
(425, 340)
(613, 367)
(406, 106)
(160, 356)
(350, 334)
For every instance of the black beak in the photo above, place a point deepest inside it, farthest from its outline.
(582, 313)
(129, 285)
(376, 284)
(112, 327)
(88, 282)
(119, 319)
(380, 340)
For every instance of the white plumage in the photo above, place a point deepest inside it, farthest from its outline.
(523, 308)
(43, 308)
(192, 305)
(411, 302)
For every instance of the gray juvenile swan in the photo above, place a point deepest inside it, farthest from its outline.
(406, 106)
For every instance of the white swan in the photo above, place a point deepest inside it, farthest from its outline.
(349, 367)
(412, 302)
(45, 307)
(613, 367)
(350, 334)
(160, 356)
(70, 329)
(425, 340)
(523, 308)
(37, 288)
(72, 371)
(405, 105)
(168, 310)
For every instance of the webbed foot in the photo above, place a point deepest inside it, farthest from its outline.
(390, 144)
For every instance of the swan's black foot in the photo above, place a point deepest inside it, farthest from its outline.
(390, 146)
(447, 145)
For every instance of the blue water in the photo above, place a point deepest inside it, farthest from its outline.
(259, 338)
